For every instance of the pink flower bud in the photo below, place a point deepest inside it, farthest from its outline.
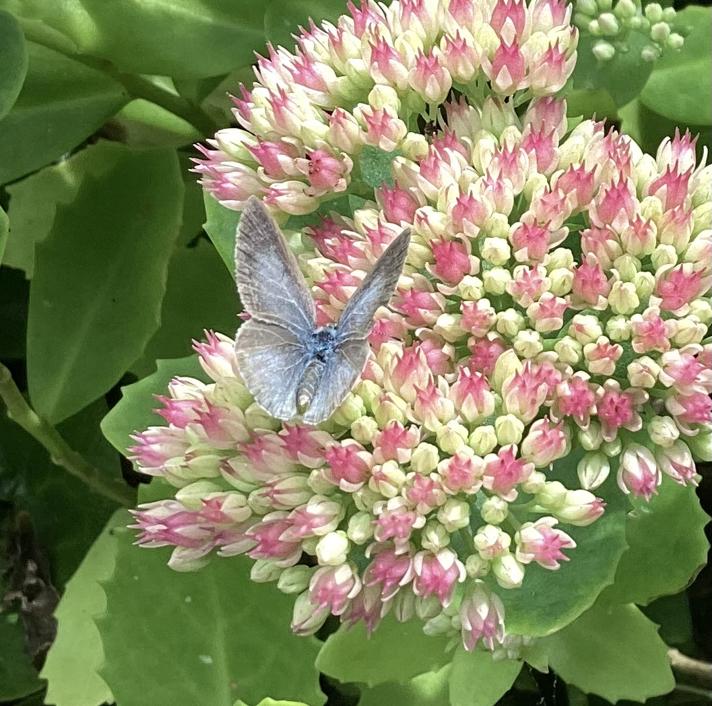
(269, 543)
(429, 78)
(460, 56)
(437, 574)
(676, 461)
(504, 471)
(389, 571)
(461, 473)
(395, 442)
(580, 508)
(507, 70)
(398, 205)
(348, 465)
(540, 542)
(590, 285)
(639, 473)
(545, 443)
(482, 618)
(618, 409)
(602, 356)
(472, 395)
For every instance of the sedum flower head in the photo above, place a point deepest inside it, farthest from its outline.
(554, 302)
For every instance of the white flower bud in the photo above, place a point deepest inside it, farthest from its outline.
(593, 469)
(364, 429)
(496, 280)
(491, 541)
(434, 536)
(294, 579)
(332, 549)
(561, 281)
(451, 437)
(528, 344)
(663, 431)
(510, 322)
(663, 255)
(689, 331)
(609, 24)
(508, 571)
(483, 440)
(496, 251)
(702, 310)
(349, 410)
(494, 510)
(569, 350)
(644, 285)
(618, 328)
(612, 448)
(535, 483)
(448, 326)
(509, 429)
(591, 438)
(585, 328)
(627, 267)
(603, 51)
(382, 96)
(425, 458)
(552, 496)
(654, 12)
(471, 288)
(476, 566)
(623, 298)
(507, 365)
(660, 32)
(360, 528)
(643, 372)
(454, 514)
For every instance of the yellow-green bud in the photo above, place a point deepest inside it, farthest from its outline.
(476, 566)
(623, 298)
(508, 571)
(425, 458)
(593, 469)
(294, 579)
(434, 536)
(360, 529)
(591, 438)
(509, 429)
(483, 440)
(470, 288)
(510, 322)
(364, 429)
(454, 514)
(332, 549)
(451, 437)
(569, 350)
(494, 510)
(496, 251)
(528, 344)
(618, 328)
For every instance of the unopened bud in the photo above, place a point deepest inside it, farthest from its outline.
(591, 438)
(528, 344)
(425, 458)
(332, 549)
(483, 440)
(663, 431)
(593, 469)
(264, 571)
(476, 566)
(608, 25)
(508, 571)
(509, 429)
(452, 437)
(569, 350)
(364, 429)
(454, 514)
(494, 510)
(659, 32)
(618, 328)
(434, 537)
(360, 528)
(612, 448)
(294, 579)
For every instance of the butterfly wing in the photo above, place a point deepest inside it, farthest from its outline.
(342, 369)
(375, 290)
(270, 284)
(272, 360)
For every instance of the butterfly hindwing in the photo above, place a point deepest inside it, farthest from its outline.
(270, 284)
(272, 361)
(375, 290)
(342, 369)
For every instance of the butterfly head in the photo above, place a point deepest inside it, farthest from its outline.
(323, 340)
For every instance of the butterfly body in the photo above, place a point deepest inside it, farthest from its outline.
(291, 366)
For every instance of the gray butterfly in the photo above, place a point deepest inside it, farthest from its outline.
(290, 365)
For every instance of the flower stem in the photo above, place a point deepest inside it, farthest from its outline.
(59, 451)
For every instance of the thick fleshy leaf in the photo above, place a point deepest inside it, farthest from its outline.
(18, 677)
(672, 614)
(549, 600)
(428, 689)
(209, 637)
(34, 199)
(200, 294)
(478, 680)
(679, 87)
(666, 546)
(77, 653)
(282, 17)
(376, 166)
(134, 411)
(62, 102)
(613, 652)
(394, 652)
(623, 77)
(187, 38)
(143, 124)
(221, 227)
(113, 244)
(13, 59)
(66, 516)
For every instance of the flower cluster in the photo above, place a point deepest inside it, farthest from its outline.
(554, 305)
(366, 80)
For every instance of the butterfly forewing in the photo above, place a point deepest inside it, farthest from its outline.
(375, 290)
(342, 369)
(272, 361)
(269, 281)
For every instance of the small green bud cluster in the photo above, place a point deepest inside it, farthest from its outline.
(611, 25)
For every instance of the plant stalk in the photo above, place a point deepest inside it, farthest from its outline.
(59, 451)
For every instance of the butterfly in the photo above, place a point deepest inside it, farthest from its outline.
(291, 366)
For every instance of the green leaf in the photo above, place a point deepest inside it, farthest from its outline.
(34, 199)
(549, 600)
(62, 102)
(376, 166)
(666, 546)
(623, 77)
(77, 653)
(221, 227)
(18, 677)
(200, 294)
(478, 680)
(272, 702)
(613, 652)
(143, 124)
(209, 637)
(428, 689)
(113, 244)
(403, 650)
(13, 59)
(679, 87)
(587, 102)
(4, 230)
(134, 410)
(672, 614)
(282, 17)
(186, 38)
(66, 515)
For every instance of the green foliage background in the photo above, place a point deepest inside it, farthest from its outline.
(112, 261)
